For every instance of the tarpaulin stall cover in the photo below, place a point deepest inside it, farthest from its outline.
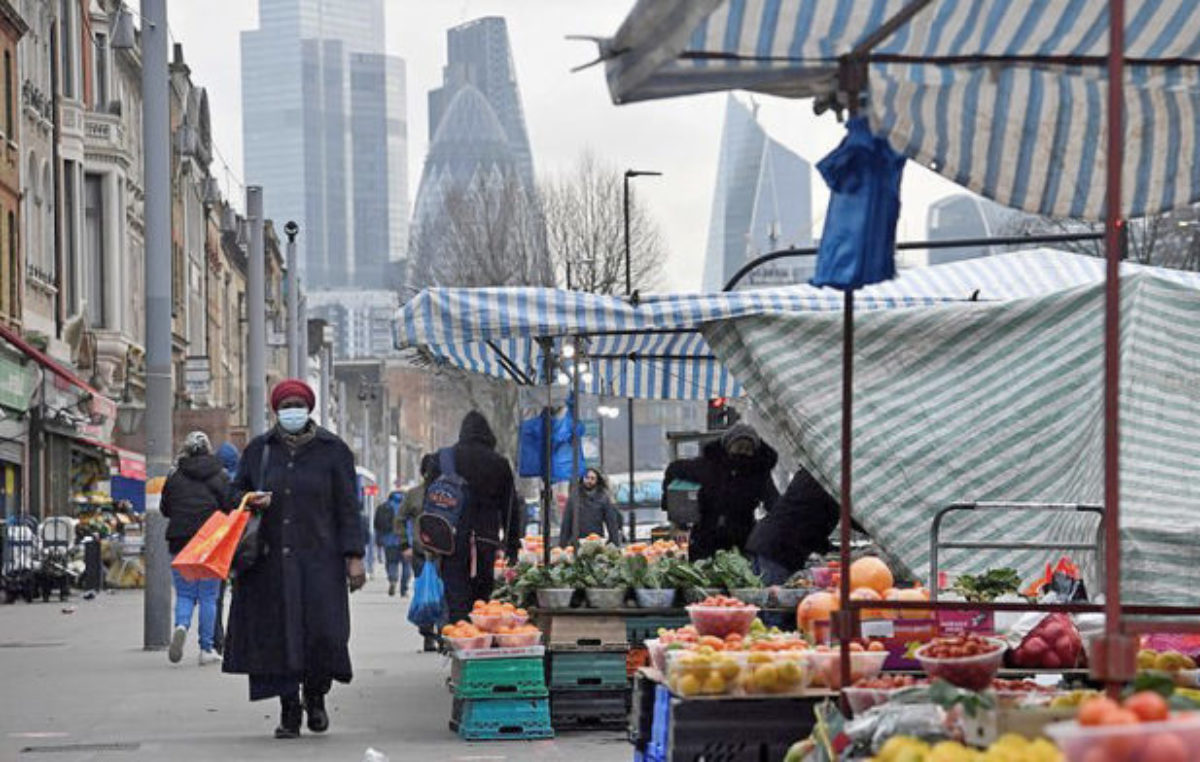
(971, 402)
(1004, 97)
(655, 351)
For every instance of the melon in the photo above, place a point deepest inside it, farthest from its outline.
(873, 573)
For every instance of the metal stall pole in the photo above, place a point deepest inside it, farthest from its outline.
(547, 445)
(1117, 663)
(574, 484)
(156, 613)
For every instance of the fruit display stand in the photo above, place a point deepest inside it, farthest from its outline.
(671, 728)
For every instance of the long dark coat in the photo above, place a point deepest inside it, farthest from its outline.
(798, 526)
(290, 613)
(730, 491)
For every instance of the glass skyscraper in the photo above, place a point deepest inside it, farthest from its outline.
(477, 145)
(762, 203)
(325, 134)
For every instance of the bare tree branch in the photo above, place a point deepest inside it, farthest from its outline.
(585, 230)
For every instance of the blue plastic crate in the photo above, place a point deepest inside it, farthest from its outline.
(656, 750)
(497, 719)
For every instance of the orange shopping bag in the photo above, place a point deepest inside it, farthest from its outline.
(209, 554)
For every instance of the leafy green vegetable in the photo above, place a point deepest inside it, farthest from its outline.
(989, 586)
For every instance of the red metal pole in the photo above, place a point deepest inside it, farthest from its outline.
(1114, 668)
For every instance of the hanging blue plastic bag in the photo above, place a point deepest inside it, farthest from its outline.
(428, 607)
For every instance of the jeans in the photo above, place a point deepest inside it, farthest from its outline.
(391, 561)
(406, 574)
(202, 593)
(773, 573)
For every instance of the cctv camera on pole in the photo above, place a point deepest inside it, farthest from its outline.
(291, 229)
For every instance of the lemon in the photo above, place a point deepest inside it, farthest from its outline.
(790, 674)
(688, 685)
(730, 669)
(714, 685)
(766, 678)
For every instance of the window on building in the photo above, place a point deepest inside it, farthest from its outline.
(93, 226)
(46, 220)
(10, 92)
(101, 84)
(66, 46)
(71, 235)
(33, 211)
(14, 267)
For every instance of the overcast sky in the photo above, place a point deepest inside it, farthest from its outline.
(566, 114)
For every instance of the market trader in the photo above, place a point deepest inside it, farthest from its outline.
(734, 474)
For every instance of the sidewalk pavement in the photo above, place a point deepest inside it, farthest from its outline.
(78, 687)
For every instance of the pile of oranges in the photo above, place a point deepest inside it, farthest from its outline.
(520, 629)
(494, 616)
(461, 630)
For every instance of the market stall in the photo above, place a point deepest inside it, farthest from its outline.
(1010, 100)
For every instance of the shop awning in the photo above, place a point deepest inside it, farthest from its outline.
(1005, 97)
(101, 407)
(655, 350)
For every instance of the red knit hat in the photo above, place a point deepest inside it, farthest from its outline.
(292, 387)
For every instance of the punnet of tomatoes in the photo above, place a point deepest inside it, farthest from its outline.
(967, 661)
(1141, 728)
(720, 615)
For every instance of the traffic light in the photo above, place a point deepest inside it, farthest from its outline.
(721, 414)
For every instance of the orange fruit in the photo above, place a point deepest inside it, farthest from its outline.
(871, 572)
(1095, 711)
(817, 607)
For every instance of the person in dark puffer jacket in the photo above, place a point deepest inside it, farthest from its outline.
(196, 489)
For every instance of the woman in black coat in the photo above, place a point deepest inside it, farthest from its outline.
(798, 526)
(289, 623)
(734, 474)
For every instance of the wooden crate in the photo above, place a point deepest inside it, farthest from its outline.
(575, 630)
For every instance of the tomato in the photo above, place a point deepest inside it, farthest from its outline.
(1094, 711)
(1148, 706)
(1164, 747)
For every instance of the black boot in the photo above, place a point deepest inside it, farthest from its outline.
(289, 717)
(314, 705)
(431, 644)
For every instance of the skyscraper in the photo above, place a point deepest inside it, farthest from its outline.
(762, 203)
(479, 162)
(325, 134)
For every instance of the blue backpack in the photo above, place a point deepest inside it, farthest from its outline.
(444, 508)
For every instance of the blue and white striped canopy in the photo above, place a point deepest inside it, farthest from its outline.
(654, 350)
(1005, 97)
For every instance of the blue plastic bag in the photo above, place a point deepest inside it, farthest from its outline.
(428, 607)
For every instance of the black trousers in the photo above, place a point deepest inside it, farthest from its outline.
(284, 686)
(463, 589)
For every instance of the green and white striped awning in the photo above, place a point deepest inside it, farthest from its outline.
(999, 402)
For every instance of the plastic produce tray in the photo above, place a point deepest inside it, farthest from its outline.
(522, 677)
(589, 710)
(498, 719)
(588, 671)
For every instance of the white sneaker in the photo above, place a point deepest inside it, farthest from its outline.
(175, 651)
(208, 657)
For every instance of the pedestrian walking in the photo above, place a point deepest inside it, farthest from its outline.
(410, 539)
(734, 474)
(389, 541)
(194, 490)
(488, 521)
(590, 511)
(289, 621)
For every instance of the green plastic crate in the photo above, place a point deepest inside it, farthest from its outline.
(499, 719)
(639, 629)
(523, 677)
(588, 671)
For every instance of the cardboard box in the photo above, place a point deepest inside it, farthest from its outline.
(900, 636)
(952, 623)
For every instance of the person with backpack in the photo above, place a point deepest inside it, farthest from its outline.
(466, 510)
(289, 621)
(407, 519)
(195, 489)
(388, 539)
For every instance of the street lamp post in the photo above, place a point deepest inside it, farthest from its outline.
(629, 174)
(291, 229)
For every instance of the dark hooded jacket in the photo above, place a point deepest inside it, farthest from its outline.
(489, 480)
(798, 526)
(194, 491)
(590, 511)
(290, 613)
(731, 488)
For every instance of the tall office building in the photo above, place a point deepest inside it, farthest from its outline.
(325, 134)
(478, 149)
(762, 203)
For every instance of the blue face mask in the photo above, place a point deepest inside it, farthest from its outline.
(293, 419)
